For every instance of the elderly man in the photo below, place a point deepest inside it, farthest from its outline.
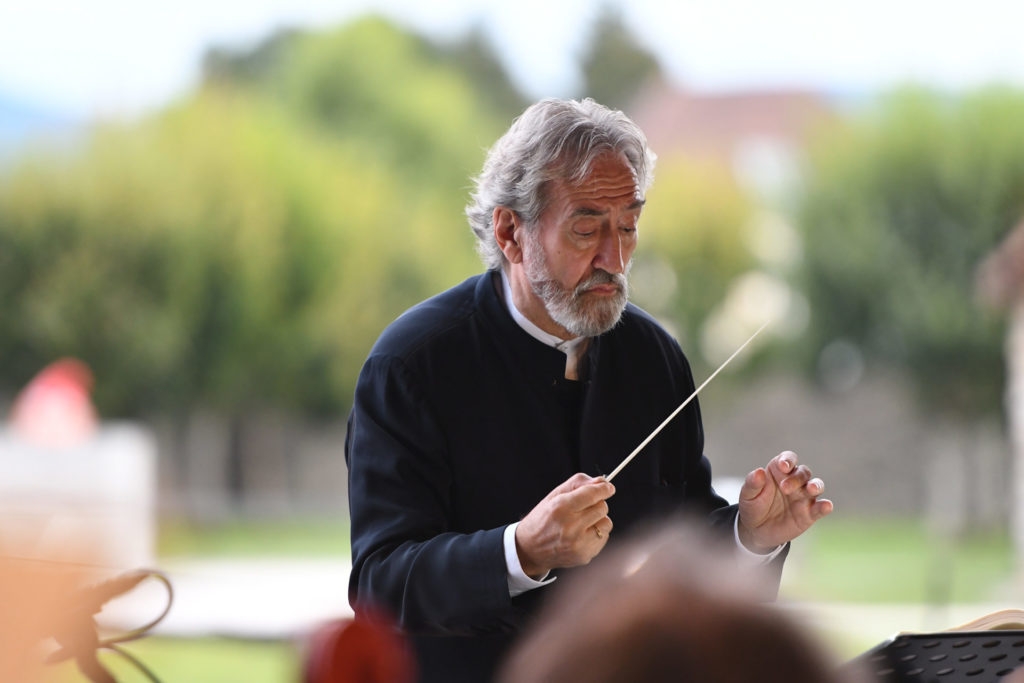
(485, 417)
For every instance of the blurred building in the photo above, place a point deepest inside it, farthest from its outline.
(759, 134)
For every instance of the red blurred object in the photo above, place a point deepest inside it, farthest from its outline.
(367, 649)
(55, 409)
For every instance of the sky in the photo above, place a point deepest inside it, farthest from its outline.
(88, 58)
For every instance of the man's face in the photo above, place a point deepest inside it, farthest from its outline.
(577, 256)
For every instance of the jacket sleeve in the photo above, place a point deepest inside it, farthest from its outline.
(406, 559)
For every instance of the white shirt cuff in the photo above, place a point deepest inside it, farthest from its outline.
(749, 556)
(518, 581)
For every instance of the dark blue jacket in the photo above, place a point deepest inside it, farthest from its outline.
(462, 422)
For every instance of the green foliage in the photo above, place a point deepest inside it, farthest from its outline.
(474, 57)
(693, 243)
(244, 250)
(160, 255)
(900, 208)
(369, 82)
(615, 64)
(253, 68)
(406, 107)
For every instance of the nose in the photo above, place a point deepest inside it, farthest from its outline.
(610, 253)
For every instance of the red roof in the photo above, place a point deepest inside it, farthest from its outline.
(714, 124)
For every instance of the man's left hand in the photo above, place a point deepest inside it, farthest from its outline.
(779, 502)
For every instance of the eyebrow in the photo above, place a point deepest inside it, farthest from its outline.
(587, 211)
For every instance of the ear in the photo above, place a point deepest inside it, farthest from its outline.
(506, 226)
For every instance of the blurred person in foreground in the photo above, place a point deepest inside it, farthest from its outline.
(34, 599)
(485, 417)
(46, 612)
(658, 610)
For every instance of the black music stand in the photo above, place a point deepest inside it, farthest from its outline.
(944, 657)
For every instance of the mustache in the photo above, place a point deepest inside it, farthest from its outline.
(602, 277)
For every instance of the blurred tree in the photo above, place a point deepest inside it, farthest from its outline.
(899, 209)
(615, 65)
(255, 67)
(179, 259)
(471, 55)
(369, 82)
(694, 241)
(233, 251)
(474, 56)
(425, 109)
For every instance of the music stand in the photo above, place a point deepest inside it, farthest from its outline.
(947, 657)
(981, 651)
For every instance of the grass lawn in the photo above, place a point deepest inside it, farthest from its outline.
(197, 661)
(247, 538)
(895, 561)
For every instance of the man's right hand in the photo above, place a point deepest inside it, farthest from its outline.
(566, 529)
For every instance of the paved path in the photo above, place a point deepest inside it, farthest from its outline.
(243, 598)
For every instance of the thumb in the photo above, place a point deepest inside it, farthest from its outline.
(754, 484)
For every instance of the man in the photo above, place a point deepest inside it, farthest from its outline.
(485, 416)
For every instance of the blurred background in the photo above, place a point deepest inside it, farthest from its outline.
(209, 211)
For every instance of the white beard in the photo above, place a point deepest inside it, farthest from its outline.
(581, 313)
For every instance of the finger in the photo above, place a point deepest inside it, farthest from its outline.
(821, 508)
(754, 484)
(589, 494)
(580, 479)
(815, 486)
(812, 511)
(602, 528)
(592, 515)
(796, 482)
(784, 463)
(569, 485)
(575, 481)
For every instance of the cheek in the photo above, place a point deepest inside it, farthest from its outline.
(566, 263)
(629, 246)
(578, 269)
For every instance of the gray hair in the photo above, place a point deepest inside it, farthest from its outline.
(551, 139)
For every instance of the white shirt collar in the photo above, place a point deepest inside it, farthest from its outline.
(526, 323)
(572, 348)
